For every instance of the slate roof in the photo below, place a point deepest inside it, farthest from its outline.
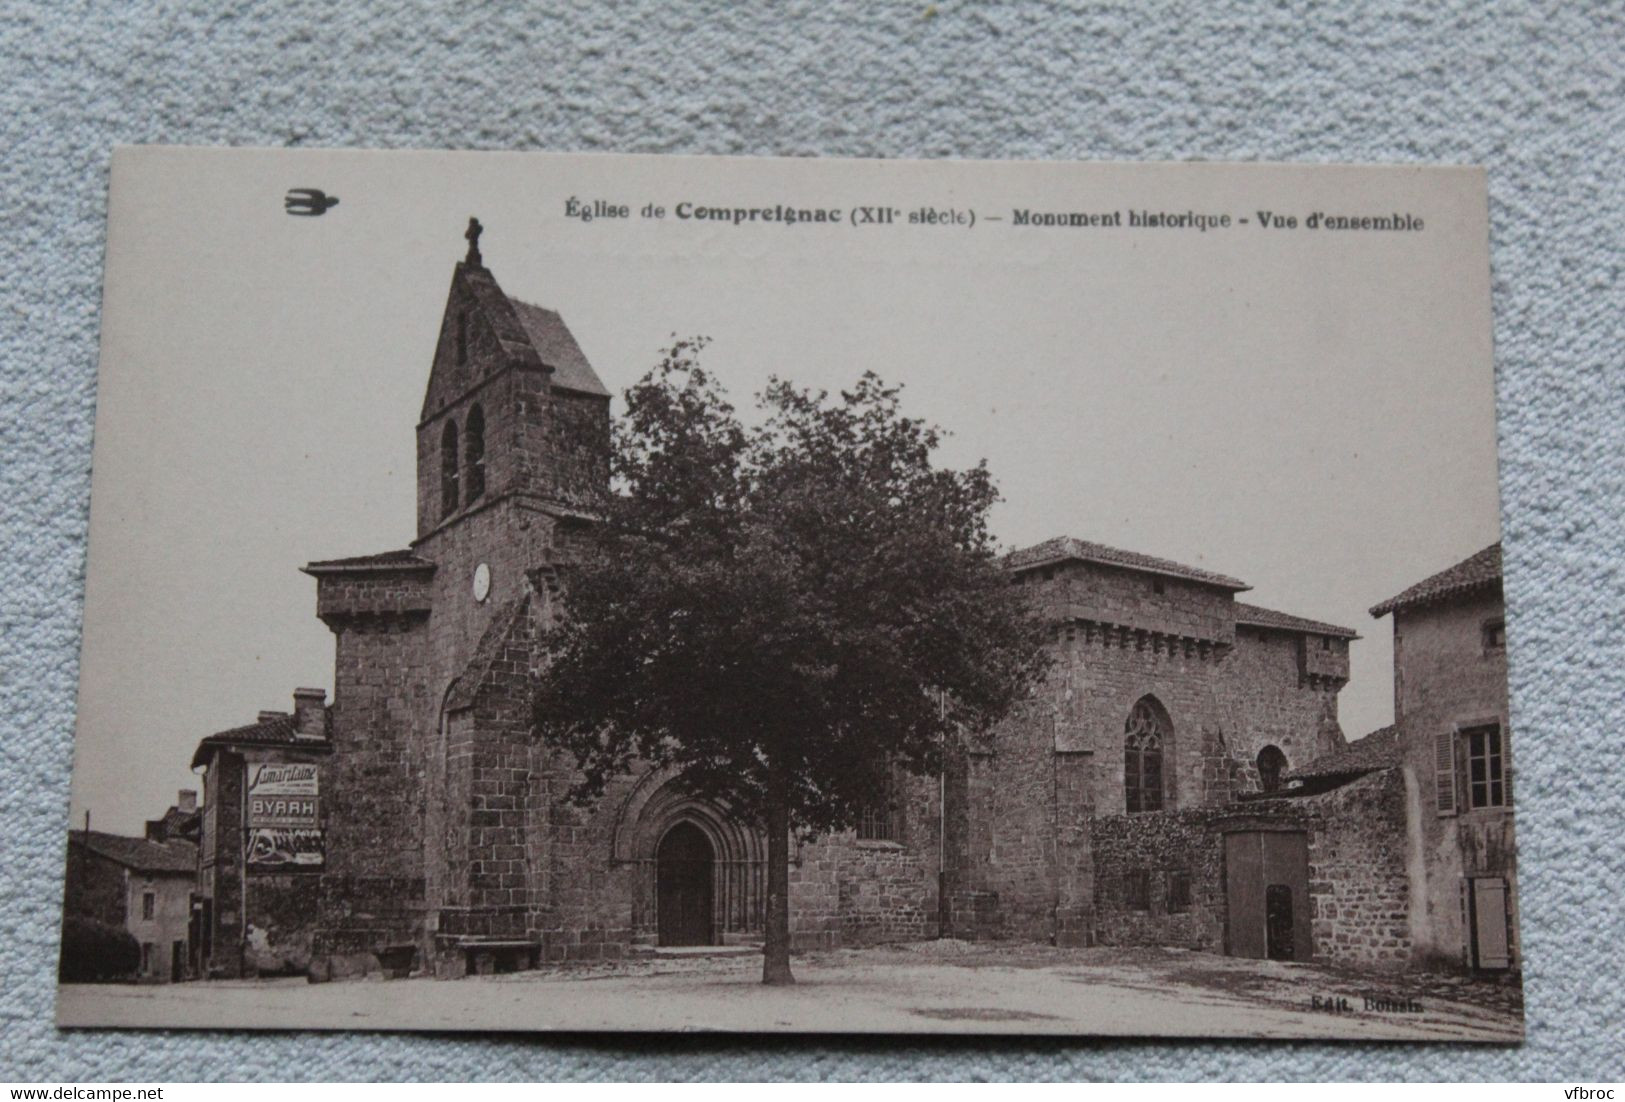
(1066, 549)
(386, 560)
(273, 731)
(1378, 750)
(175, 855)
(1255, 616)
(558, 348)
(1473, 572)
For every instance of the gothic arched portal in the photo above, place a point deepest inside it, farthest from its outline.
(684, 886)
(661, 823)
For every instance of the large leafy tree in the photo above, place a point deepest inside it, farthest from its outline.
(785, 611)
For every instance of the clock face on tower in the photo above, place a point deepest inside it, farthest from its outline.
(482, 582)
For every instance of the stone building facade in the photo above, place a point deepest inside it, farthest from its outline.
(1139, 797)
(260, 851)
(1452, 737)
(141, 885)
(1101, 797)
(446, 822)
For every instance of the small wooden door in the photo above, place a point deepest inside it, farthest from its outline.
(683, 878)
(1267, 891)
(177, 961)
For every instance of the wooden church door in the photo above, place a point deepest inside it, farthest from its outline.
(683, 878)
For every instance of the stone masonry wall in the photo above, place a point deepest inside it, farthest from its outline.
(969, 908)
(281, 910)
(221, 871)
(374, 790)
(1059, 759)
(887, 893)
(1117, 596)
(1121, 636)
(1357, 873)
(1266, 699)
(1158, 847)
(848, 891)
(586, 903)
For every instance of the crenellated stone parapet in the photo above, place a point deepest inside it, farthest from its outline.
(1077, 625)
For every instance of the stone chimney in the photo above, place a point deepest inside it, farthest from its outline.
(186, 801)
(310, 713)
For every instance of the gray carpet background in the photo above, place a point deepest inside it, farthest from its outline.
(1536, 93)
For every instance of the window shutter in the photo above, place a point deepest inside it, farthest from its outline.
(1444, 770)
(1490, 922)
(1466, 923)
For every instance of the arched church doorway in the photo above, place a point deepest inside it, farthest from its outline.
(683, 886)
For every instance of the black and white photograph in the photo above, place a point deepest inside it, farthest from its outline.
(586, 593)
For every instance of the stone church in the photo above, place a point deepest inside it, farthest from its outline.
(1129, 801)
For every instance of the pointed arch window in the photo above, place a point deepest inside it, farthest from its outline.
(1144, 736)
(1271, 769)
(448, 469)
(474, 453)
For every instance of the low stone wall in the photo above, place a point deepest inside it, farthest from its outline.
(973, 915)
(815, 896)
(847, 892)
(1139, 860)
(886, 894)
(1358, 886)
(1357, 877)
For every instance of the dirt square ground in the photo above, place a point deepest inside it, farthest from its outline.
(923, 987)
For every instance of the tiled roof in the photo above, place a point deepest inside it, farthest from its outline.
(1269, 618)
(1065, 548)
(272, 731)
(387, 560)
(1378, 750)
(138, 853)
(1470, 573)
(175, 821)
(558, 348)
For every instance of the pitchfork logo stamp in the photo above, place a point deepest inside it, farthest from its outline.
(308, 202)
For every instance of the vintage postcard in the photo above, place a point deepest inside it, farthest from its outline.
(553, 592)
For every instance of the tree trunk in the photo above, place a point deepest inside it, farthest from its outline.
(776, 953)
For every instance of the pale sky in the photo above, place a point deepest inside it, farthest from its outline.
(1310, 412)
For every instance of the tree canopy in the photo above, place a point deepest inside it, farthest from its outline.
(786, 611)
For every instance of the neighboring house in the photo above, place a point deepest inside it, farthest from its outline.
(1450, 711)
(261, 840)
(141, 885)
(1443, 850)
(183, 820)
